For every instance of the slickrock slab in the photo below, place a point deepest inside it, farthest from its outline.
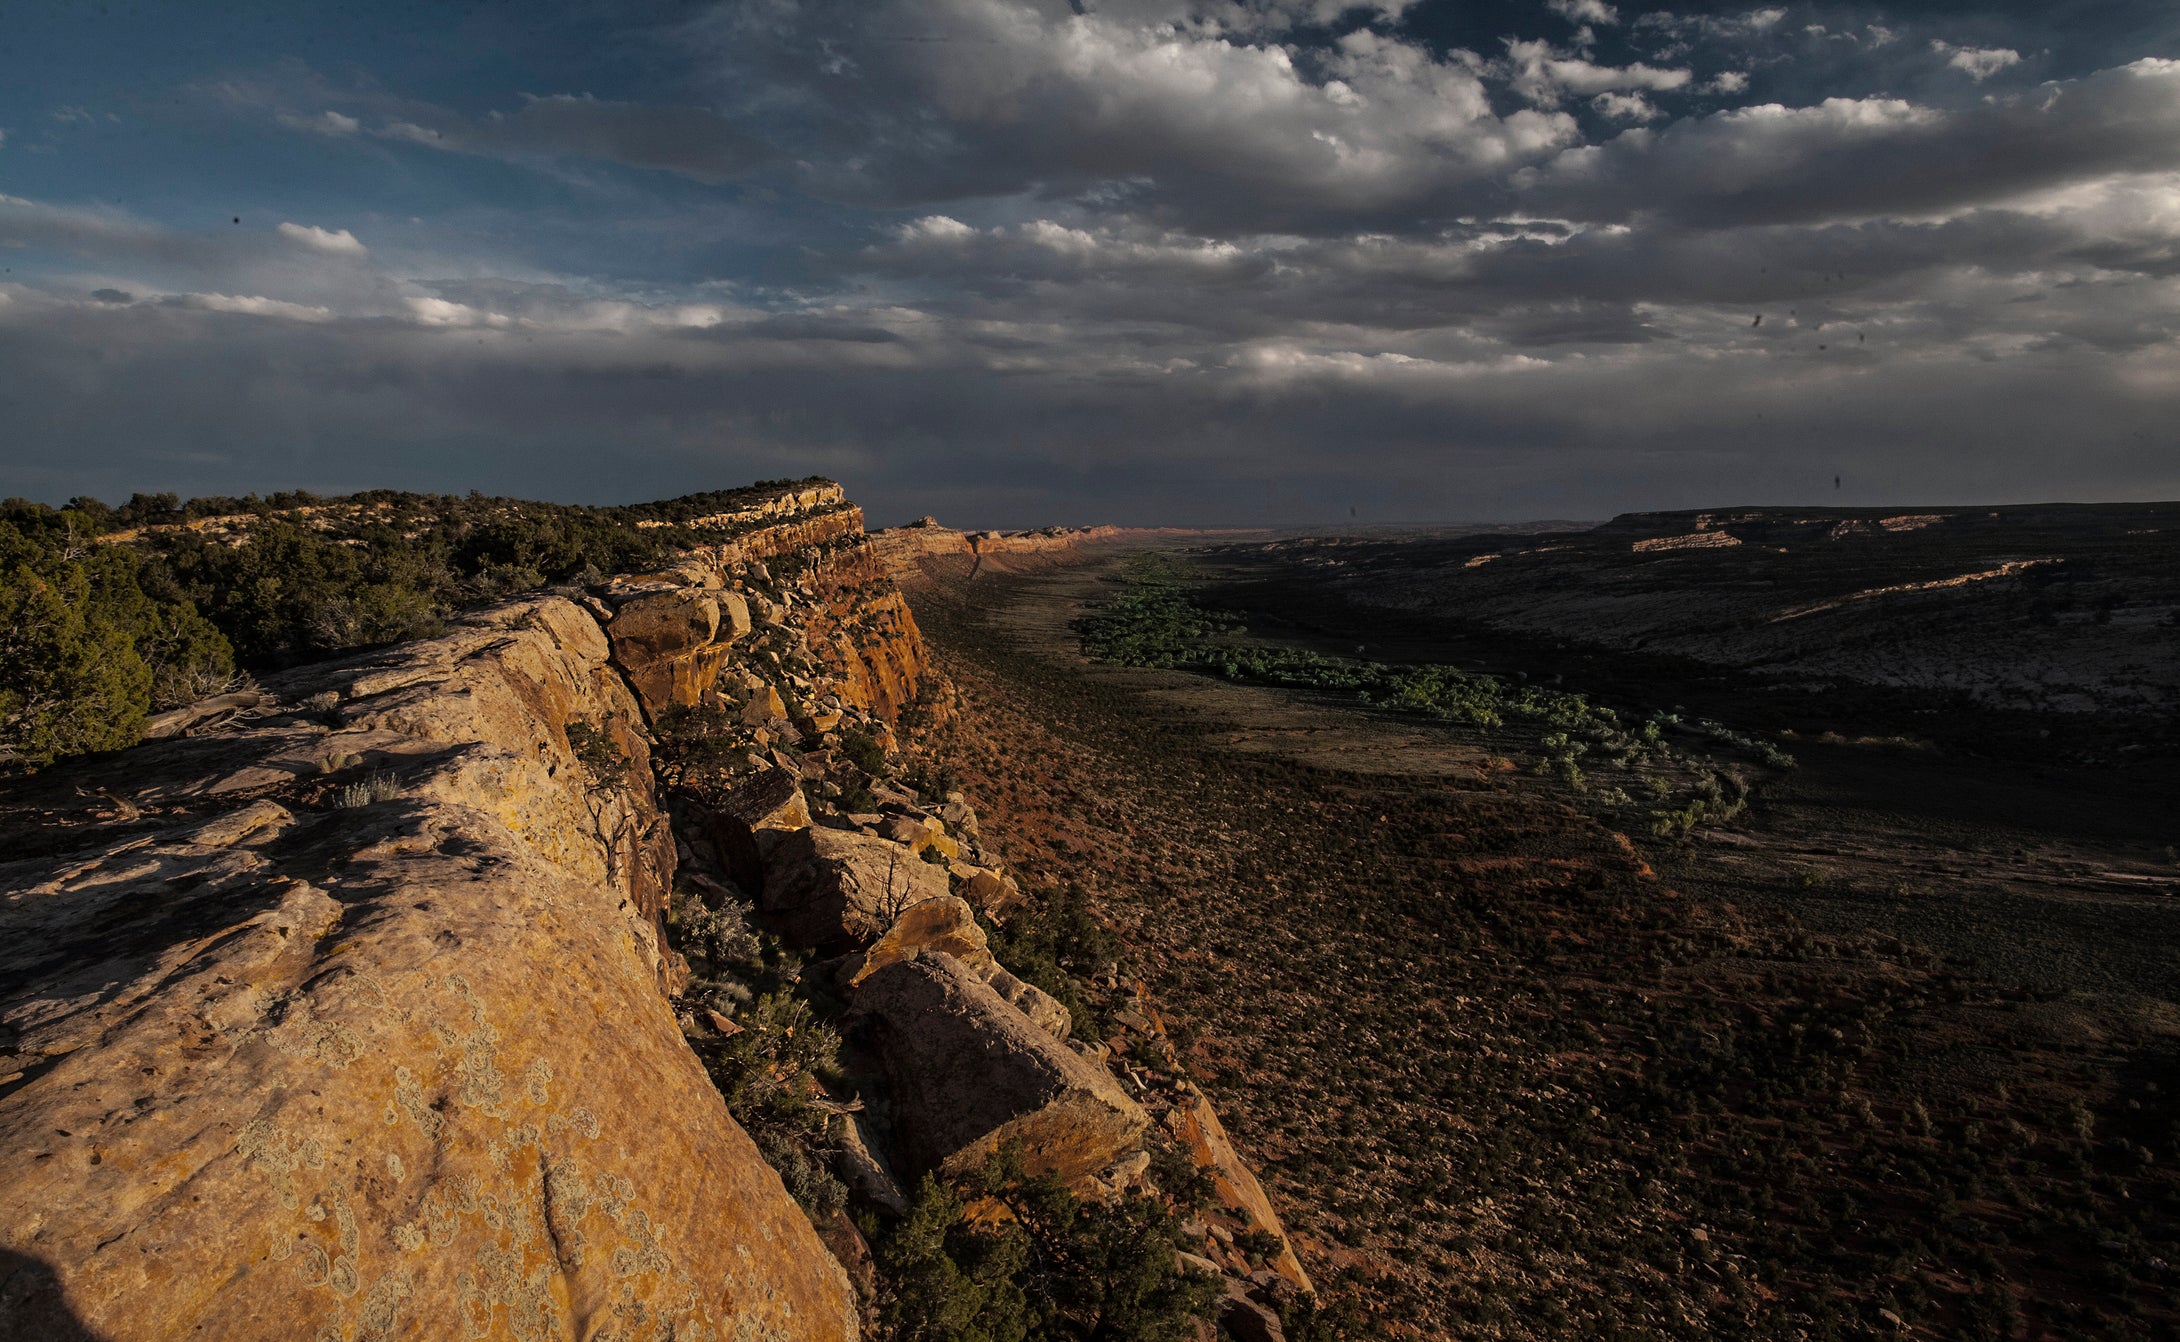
(281, 1068)
(968, 1074)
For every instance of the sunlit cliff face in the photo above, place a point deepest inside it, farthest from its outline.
(1153, 261)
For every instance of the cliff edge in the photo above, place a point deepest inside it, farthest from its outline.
(345, 1021)
(407, 994)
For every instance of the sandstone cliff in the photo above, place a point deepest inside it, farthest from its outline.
(903, 547)
(397, 996)
(345, 1021)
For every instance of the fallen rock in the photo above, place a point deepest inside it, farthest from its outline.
(1198, 1128)
(752, 820)
(960, 817)
(765, 705)
(1196, 1262)
(826, 887)
(671, 643)
(969, 1074)
(948, 924)
(991, 894)
(1044, 1011)
(1247, 1320)
(852, 1251)
(863, 1169)
(943, 924)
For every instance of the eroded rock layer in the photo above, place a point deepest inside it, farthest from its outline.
(345, 1021)
(378, 1000)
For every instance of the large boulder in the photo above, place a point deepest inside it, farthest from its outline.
(949, 925)
(292, 1056)
(968, 1074)
(672, 641)
(829, 888)
(754, 818)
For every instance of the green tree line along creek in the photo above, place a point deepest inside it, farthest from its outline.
(1154, 619)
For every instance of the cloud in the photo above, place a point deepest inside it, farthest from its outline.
(331, 242)
(1544, 75)
(1978, 63)
(97, 230)
(1046, 250)
(692, 142)
(917, 425)
(1584, 11)
(1847, 158)
(1625, 107)
(1020, 261)
(1210, 124)
(249, 305)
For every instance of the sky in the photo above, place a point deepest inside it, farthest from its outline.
(1024, 262)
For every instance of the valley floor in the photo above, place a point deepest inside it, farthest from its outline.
(1509, 1072)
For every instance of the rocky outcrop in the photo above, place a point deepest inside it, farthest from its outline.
(903, 546)
(968, 1074)
(827, 887)
(345, 1020)
(673, 630)
(388, 998)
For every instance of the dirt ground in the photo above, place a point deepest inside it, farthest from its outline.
(1891, 1056)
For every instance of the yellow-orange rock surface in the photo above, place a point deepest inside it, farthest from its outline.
(354, 1031)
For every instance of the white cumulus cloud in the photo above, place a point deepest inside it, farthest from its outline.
(1978, 63)
(1625, 107)
(333, 242)
(1584, 11)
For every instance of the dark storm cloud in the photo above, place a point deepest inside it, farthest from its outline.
(232, 399)
(1020, 261)
(1854, 158)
